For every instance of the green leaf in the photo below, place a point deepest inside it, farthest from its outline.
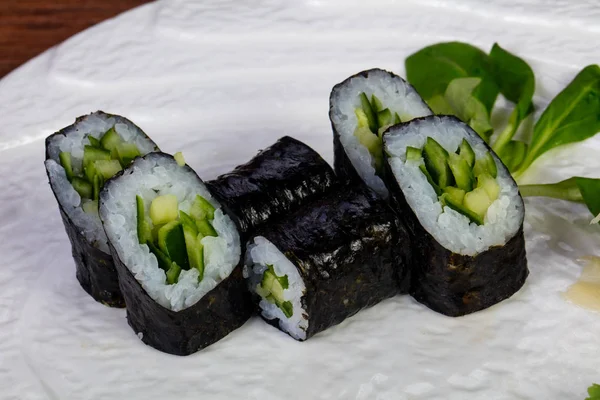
(590, 191)
(459, 96)
(513, 153)
(516, 82)
(593, 392)
(431, 69)
(514, 78)
(573, 115)
(577, 189)
(439, 105)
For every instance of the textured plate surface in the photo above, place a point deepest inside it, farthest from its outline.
(222, 79)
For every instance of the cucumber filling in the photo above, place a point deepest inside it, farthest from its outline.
(461, 181)
(173, 236)
(271, 289)
(373, 119)
(103, 158)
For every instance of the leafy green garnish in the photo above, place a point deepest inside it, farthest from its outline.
(516, 81)
(513, 154)
(573, 115)
(459, 96)
(593, 392)
(577, 189)
(431, 69)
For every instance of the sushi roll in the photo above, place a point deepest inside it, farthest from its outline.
(275, 182)
(79, 159)
(360, 109)
(463, 210)
(177, 254)
(323, 263)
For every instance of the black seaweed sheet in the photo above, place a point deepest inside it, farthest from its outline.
(455, 284)
(341, 163)
(274, 183)
(350, 250)
(94, 269)
(219, 312)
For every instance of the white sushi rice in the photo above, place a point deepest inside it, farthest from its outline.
(73, 141)
(260, 253)
(394, 93)
(451, 229)
(157, 175)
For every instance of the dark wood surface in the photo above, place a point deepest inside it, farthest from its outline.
(28, 27)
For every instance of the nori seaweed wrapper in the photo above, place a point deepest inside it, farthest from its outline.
(219, 312)
(454, 284)
(94, 269)
(274, 183)
(342, 165)
(350, 250)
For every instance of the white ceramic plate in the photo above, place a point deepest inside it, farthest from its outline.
(221, 80)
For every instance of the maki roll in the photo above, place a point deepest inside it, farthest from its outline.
(361, 108)
(275, 182)
(177, 254)
(79, 159)
(463, 210)
(323, 263)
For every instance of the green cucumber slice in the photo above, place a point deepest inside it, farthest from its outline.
(194, 248)
(466, 151)
(179, 159)
(477, 201)
(366, 106)
(287, 308)
(90, 207)
(143, 228)
(413, 153)
(107, 168)
(163, 209)
(97, 184)
(171, 241)
(268, 280)
(376, 104)
(187, 220)
(173, 273)
(66, 162)
(91, 154)
(90, 171)
(110, 140)
(373, 143)
(384, 117)
(490, 185)
(205, 228)
(455, 194)
(485, 164)
(434, 185)
(164, 262)
(83, 187)
(93, 141)
(361, 117)
(460, 208)
(463, 176)
(202, 209)
(126, 153)
(436, 162)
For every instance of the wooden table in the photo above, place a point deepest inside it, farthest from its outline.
(28, 27)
